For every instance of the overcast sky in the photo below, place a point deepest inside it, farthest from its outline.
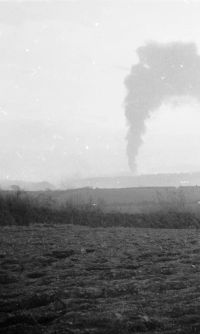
(62, 71)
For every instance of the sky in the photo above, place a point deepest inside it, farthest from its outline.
(62, 70)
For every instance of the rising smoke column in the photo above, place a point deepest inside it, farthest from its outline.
(164, 71)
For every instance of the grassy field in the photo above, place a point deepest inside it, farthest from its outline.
(73, 279)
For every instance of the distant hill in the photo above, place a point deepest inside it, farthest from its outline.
(151, 180)
(23, 185)
(107, 182)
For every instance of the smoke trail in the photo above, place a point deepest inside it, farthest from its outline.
(164, 71)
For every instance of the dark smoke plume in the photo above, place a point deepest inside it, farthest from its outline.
(163, 72)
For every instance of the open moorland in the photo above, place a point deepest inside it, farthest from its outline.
(77, 279)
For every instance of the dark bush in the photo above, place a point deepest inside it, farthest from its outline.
(20, 208)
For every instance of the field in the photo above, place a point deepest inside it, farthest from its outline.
(75, 279)
(127, 200)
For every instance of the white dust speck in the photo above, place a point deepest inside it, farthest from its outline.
(58, 137)
(45, 26)
(3, 112)
(19, 154)
(52, 148)
(33, 72)
(146, 66)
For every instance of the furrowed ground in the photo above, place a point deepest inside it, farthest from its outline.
(73, 279)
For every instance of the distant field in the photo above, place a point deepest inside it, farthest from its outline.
(72, 279)
(128, 200)
(145, 200)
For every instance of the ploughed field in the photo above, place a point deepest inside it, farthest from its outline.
(74, 279)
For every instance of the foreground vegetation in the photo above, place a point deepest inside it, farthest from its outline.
(70, 279)
(59, 275)
(19, 208)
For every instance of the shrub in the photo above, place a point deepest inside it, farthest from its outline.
(20, 208)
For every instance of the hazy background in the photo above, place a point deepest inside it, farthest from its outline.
(62, 71)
